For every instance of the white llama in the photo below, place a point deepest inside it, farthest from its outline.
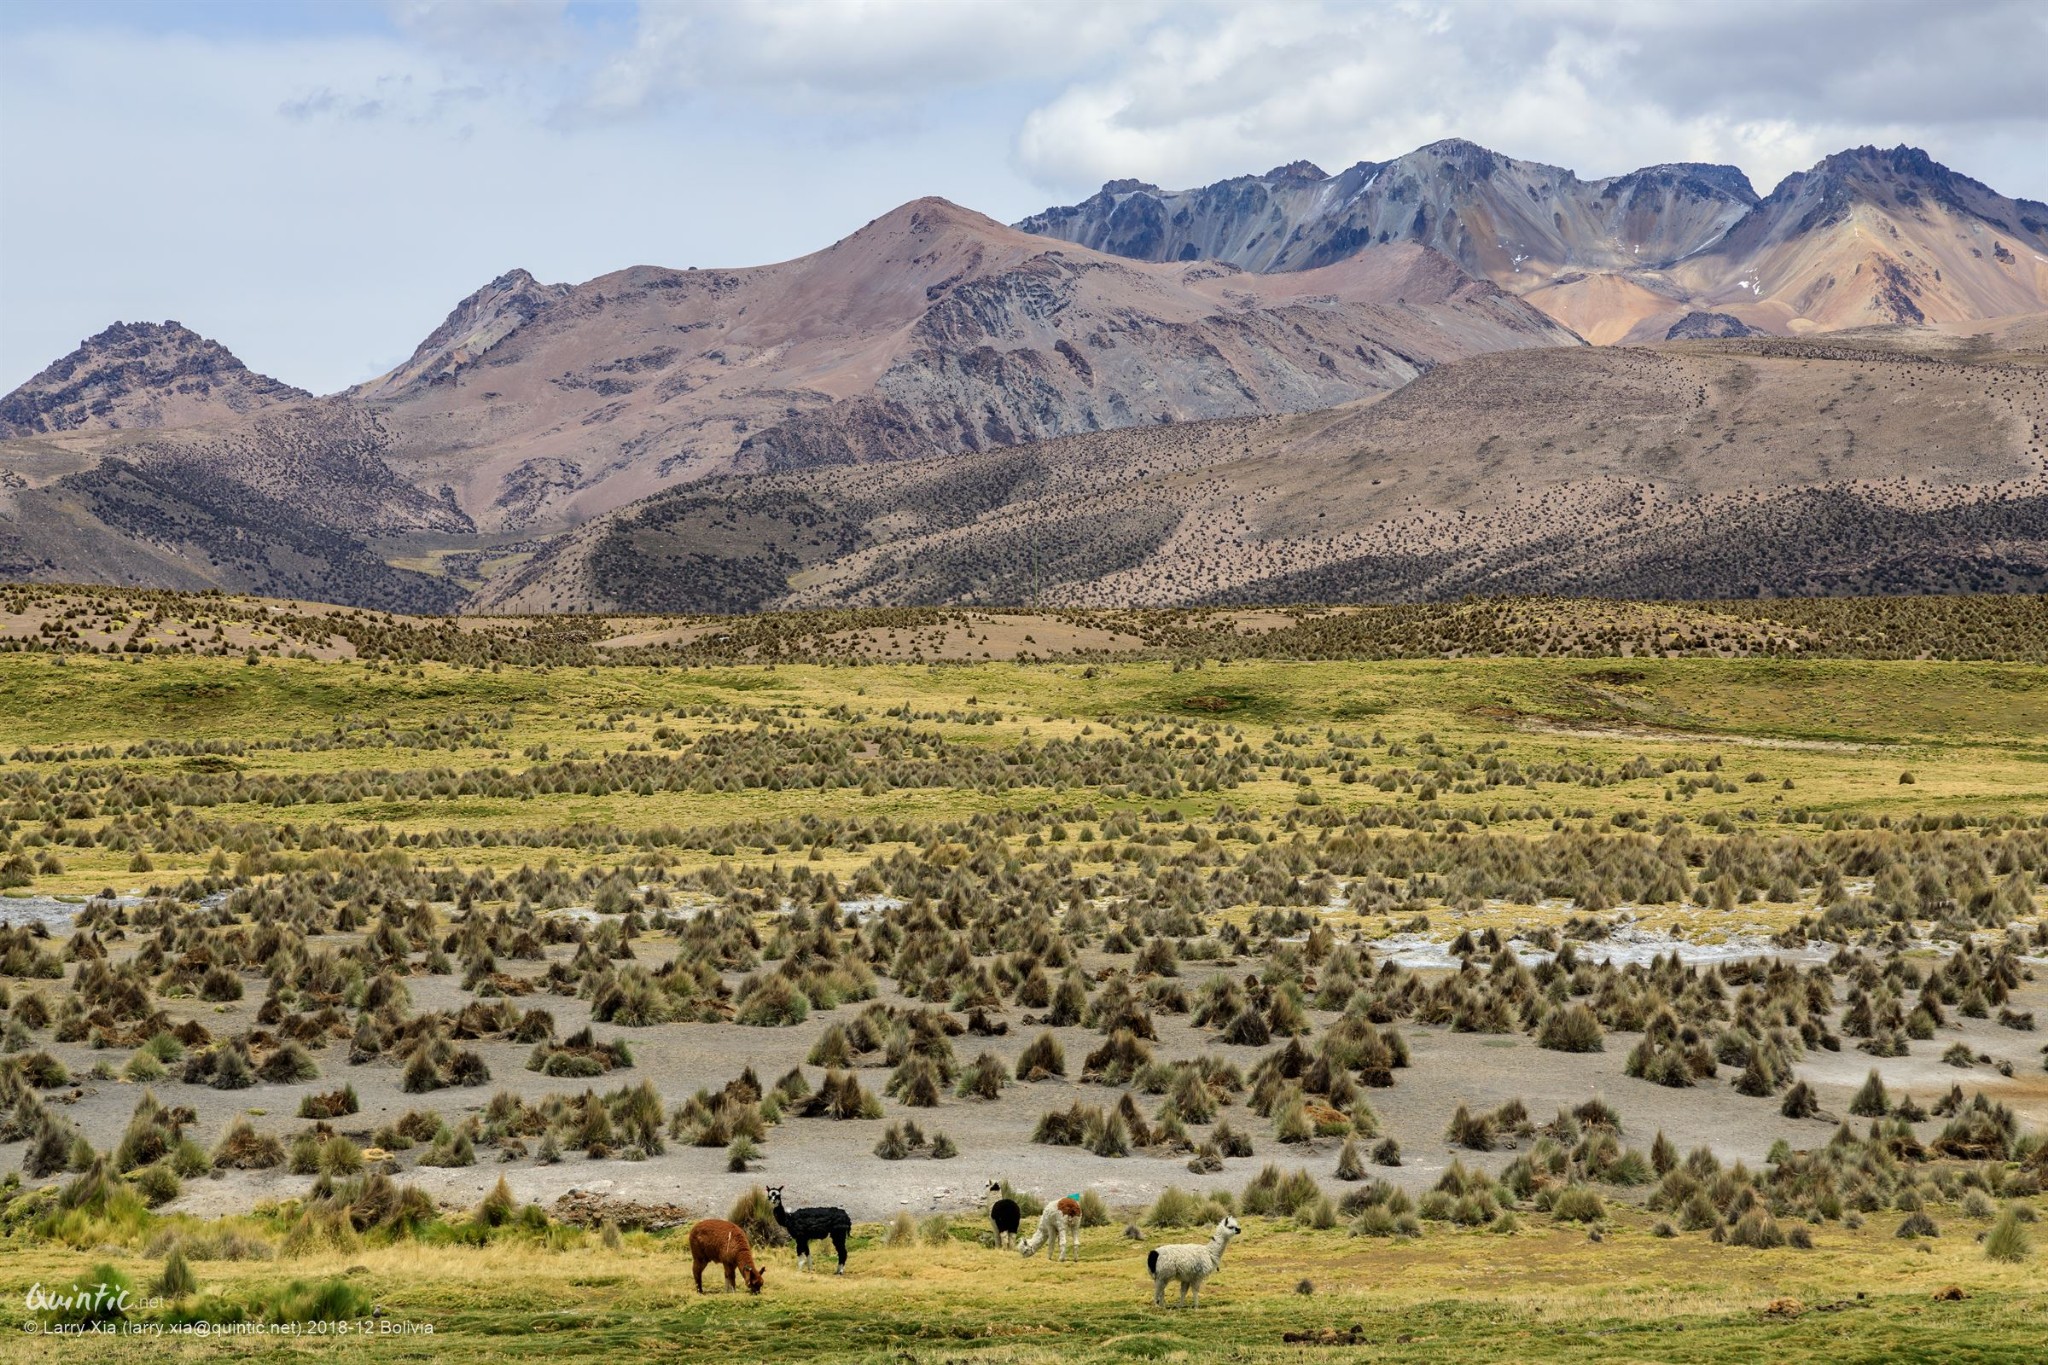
(1061, 1224)
(1189, 1265)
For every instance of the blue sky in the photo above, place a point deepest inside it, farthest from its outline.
(315, 183)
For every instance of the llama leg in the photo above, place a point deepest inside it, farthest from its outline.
(731, 1268)
(698, 1270)
(1158, 1292)
(839, 1245)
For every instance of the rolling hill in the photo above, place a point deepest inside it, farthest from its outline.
(1892, 460)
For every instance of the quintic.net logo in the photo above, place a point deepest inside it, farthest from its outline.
(100, 1297)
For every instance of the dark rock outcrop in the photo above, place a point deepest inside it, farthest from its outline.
(138, 374)
(1701, 326)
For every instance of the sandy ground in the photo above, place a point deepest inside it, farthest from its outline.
(1654, 735)
(823, 1161)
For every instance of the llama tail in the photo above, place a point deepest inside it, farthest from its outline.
(1152, 1261)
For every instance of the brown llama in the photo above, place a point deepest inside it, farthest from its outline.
(714, 1239)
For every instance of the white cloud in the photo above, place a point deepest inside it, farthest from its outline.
(1770, 85)
(861, 50)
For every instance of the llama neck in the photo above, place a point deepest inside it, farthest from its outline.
(1216, 1245)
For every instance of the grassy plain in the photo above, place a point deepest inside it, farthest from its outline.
(1541, 1293)
(1973, 735)
(1800, 742)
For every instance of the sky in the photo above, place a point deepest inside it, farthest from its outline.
(316, 183)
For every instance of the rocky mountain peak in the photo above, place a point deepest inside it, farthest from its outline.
(138, 374)
(1300, 172)
(1699, 178)
(476, 324)
(1469, 157)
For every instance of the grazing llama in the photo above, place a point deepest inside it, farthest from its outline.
(1004, 1213)
(1061, 1223)
(714, 1239)
(811, 1225)
(1189, 1265)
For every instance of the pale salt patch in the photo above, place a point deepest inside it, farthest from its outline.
(47, 910)
(1626, 946)
(863, 906)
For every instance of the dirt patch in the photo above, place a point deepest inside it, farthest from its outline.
(589, 1209)
(1655, 735)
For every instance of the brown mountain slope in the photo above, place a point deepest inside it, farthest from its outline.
(931, 330)
(1865, 236)
(139, 374)
(280, 502)
(1890, 460)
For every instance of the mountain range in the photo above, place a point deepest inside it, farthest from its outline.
(1292, 386)
(1866, 236)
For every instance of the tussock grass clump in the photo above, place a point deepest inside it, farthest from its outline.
(579, 1056)
(176, 1280)
(1918, 1224)
(756, 1216)
(983, 1079)
(841, 1096)
(1577, 1204)
(1043, 1059)
(332, 1105)
(242, 1148)
(1870, 1100)
(771, 1001)
(1756, 1228)
(2008, 1240)
(1574, 1028)
(1278, 1195)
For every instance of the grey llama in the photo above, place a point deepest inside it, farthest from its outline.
(1189, 1265)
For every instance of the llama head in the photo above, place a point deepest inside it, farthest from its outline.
(755, 1276)
(1228, 1228)
(995, 1187)
(775, 1196)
